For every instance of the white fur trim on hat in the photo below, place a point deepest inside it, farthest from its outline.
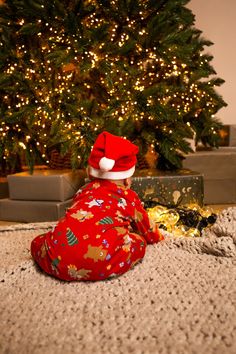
(106, 164)
(111, 174)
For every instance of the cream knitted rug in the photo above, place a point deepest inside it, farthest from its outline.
(181, 299)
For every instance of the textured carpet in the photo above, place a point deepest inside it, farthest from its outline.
(180, 299)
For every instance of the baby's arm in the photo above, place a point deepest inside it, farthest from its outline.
(143, 226)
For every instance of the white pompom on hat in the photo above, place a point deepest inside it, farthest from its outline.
(106, 164)
(112, 157)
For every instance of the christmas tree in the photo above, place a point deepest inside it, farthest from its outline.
(72, 68)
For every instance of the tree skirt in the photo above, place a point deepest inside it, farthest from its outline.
(180, 299)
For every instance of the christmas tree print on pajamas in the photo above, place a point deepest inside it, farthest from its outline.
(103, 234)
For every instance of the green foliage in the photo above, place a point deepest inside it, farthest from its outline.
(74, 68)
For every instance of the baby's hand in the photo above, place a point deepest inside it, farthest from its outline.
(152, 224)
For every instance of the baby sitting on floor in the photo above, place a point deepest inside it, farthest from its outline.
(106, 230)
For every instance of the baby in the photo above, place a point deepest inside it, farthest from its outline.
(106, 230)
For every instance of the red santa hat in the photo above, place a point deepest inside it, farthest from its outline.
(112, 157)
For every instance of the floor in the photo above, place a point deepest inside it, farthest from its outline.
(216, 207)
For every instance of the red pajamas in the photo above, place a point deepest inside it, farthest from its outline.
(103, 234)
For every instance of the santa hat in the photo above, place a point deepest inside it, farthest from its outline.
(112, 157)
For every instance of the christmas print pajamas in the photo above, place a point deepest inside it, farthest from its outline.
(103, 234)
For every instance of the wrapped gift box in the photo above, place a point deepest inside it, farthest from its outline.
(4, 193)
(50, 185)
(218, 167)
(232, 136)
(228, 135)
(32, 211)
(169, 188)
